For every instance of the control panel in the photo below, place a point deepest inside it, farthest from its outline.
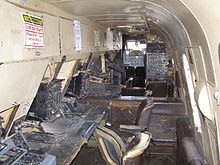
(134, 61)
(156, 62)
(12, 155)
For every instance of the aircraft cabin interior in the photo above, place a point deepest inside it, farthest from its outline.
(109, 82)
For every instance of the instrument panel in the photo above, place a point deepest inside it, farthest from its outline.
(12, 155)
(156, 62)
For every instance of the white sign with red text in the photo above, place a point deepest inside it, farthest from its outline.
(34, 31)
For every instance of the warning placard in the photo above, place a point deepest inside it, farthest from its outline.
(34, 31)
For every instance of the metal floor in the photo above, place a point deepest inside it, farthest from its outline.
(92, 156)
(161, 151)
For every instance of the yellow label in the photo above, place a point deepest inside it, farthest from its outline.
(33, 19)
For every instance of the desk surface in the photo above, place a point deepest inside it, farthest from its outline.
(64, 137)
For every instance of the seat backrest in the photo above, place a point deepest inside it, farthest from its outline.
(144, 114)
(110, 144)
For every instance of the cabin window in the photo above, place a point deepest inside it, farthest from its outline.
(136, 45)
(189, 80)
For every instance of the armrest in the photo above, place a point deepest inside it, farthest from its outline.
(138, 149)
(131, 128)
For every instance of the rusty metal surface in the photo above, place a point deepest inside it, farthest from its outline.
(124, 106)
